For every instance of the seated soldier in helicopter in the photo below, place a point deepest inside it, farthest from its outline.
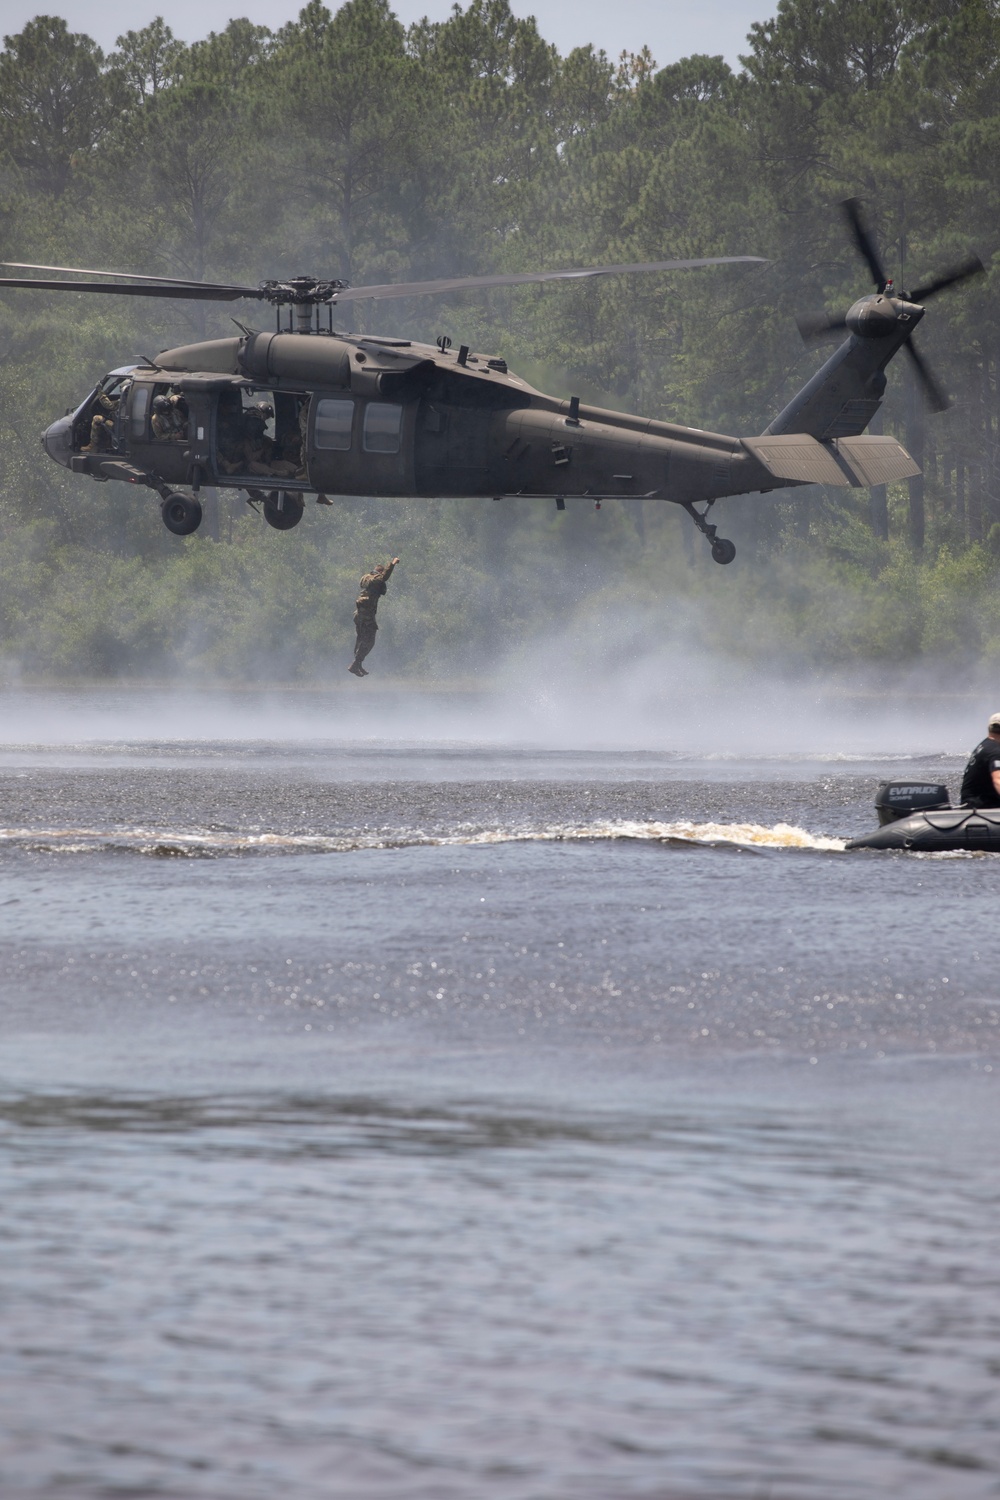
(259, 450)
(229, 436)
(295, 447)
(170, 419)
(102, 425)
(291, 450)
(303, 426)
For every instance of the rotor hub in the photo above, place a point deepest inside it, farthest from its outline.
(301, 291)
(877, 317)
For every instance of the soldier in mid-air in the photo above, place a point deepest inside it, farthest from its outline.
(373, 586)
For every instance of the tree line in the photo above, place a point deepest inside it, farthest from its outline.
(346, 144)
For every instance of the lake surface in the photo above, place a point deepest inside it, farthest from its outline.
(448, 1120)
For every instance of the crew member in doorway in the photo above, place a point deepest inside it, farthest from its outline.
(102, 424)
(259, 451)
(298, 447)
(981, 779)
(170, 419)
(373, 586)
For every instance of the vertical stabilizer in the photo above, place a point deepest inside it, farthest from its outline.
(842, 397)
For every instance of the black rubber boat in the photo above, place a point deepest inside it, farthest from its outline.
(918, 815)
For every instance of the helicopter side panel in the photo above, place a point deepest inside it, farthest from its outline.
(453, 448)
(536, 451)
(560, 457)
(367, 450)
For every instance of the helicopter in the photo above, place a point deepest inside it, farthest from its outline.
(307, 409)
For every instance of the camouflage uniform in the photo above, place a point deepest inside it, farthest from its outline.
(102, 425)
(229, 441)
(170, 425)
(303, 434)
(373, 586)
(258, 450)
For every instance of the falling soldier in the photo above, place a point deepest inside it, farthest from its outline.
(373, 586)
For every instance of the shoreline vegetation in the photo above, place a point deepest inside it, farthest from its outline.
(345, 144)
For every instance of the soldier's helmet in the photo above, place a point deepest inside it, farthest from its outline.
(264, 411)
(161, 403)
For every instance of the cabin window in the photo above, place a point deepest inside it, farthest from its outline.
(382, 427)
(138, 413)
(334, 421)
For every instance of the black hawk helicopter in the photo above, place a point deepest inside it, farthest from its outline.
(309, 410)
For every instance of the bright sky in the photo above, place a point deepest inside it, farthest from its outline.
(669, 28)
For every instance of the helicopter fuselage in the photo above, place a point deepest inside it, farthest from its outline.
(390, 417)
(358, 415)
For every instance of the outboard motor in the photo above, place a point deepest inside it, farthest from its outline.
(898, 799)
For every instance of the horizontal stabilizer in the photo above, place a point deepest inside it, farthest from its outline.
(877, 460)
(797, 458)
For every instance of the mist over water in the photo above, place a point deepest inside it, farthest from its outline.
(632, 692)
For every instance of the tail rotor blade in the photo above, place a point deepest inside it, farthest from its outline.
(864, 241)
(971, 267)
(936, 399)
(818, 325)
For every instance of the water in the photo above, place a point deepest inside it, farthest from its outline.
(388, 1120)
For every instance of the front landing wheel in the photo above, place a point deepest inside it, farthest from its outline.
(723, 551)
(181, 514)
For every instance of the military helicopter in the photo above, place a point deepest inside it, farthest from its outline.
(307, 409)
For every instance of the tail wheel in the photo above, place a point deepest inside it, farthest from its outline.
(723, 551)
(181, 514)
(283, 510)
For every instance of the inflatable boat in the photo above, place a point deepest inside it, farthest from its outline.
(918, 815)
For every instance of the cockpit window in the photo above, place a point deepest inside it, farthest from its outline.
(115, 386)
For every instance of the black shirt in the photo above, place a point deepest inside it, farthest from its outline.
(977, 782)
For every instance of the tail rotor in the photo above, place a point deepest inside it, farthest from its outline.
(876, 316)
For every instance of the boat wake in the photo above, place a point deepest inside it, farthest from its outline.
(209, 844)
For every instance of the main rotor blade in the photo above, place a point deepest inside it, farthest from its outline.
(936, 398)
(864, 241)
(163, 286)
(194, 292)
(817, 325)
(460, 283)
(971, 267)
(23, 265)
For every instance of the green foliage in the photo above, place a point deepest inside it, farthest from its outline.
(56, 102)
(347, 145)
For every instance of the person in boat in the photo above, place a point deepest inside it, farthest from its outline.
(373, 586)
(981, 778)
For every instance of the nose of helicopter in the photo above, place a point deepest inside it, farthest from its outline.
(57, 441)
